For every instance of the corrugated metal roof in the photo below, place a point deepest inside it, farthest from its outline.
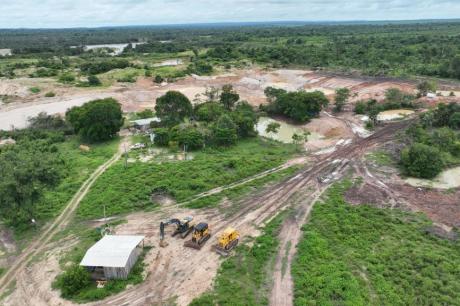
(147, 121)
(111, 251)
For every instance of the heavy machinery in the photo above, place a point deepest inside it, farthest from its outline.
(183, 228)
(201, 234)
(227, 241)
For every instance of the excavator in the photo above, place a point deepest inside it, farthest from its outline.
(227, 240)
(183, 227)
(201, 234)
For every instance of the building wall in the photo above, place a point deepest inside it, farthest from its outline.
(122, 273)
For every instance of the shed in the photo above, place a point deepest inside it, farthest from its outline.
(144, 124)
(113, 256)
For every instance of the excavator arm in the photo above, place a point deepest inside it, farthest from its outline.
(164, 224)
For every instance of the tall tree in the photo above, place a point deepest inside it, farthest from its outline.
(225, 131)
(173, 108)
(229, 97)
(341, 98)
(97, 120)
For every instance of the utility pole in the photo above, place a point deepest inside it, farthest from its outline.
(126, 156)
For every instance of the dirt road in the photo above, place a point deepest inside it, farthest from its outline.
(38, 246)
(182, 273)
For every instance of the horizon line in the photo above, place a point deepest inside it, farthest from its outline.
(248, 23)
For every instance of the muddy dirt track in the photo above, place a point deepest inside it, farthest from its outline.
(179, 273)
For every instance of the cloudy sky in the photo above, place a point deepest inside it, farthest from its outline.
(89, 13)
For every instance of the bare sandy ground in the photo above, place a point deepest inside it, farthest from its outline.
(250, 84)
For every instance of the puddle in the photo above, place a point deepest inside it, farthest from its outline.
(285, 131)
(394, 114)
(447, 179)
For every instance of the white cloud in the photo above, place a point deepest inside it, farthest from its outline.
(75, 13)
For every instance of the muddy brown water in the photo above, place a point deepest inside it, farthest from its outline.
(447, 179)
(285, 132)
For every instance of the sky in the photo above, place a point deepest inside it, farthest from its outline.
(96, 13)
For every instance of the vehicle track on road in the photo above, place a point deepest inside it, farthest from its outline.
(254, 211)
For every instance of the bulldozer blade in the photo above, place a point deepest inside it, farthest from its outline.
(193, 245)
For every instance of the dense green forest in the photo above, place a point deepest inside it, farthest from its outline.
(395, 49)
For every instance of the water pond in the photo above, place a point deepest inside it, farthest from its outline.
(285, 131)
(447, 179)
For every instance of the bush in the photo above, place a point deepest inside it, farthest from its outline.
(188, 136)
(158, 79)
(224, 131)
(94, 81)
(423, 161)
(72, 281)
(300, 106)
(50, 94)
(161, 136)
(209, 111)
(200, 68)
(146, 113)
(66, 78)
(360, 108)
(34, 90)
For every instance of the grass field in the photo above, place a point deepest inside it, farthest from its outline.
(239, 191)
(128, 189)
(244, 279)
(79, 166)
(362, 255)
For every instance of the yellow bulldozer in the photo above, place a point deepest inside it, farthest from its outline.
(201, 234)
(227, 241)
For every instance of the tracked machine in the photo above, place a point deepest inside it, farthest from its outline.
(201, 234)
(227, 241)
(183, 228)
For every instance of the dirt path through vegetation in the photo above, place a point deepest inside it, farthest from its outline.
(39, 244)
(184, 274)
(181, 274)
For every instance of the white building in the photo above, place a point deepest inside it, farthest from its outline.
(113, 256)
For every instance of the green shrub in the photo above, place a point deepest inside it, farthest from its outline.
(73, 280)
(360, 108)
(364, 255)
(50, 94)
(188, 136)
(66, 78)
(420, 160)
(224, 131)
(161, 136)
(35, 90)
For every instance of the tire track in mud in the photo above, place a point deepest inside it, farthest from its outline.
(282, 293)
(252, 213)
